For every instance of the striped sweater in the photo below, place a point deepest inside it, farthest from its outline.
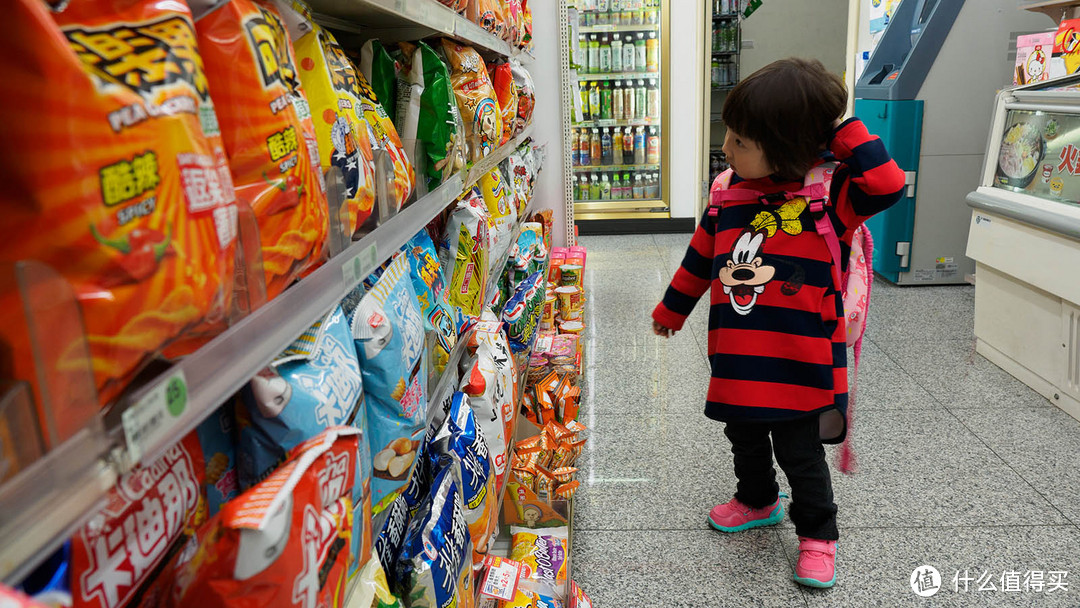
(776, 323)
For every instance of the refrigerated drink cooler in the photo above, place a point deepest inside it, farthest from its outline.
(926, 92)
(617, 149)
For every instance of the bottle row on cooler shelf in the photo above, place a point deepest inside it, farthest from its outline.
(618, 53)
(605, 147)
(727, 7)
(619, 12)
(724, 72)
(620, 100)
(617, 186)
(725, 37)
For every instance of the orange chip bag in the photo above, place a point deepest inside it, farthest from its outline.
(488, 14)
(475, 98)
(502, 79)
(116, 179)
(567, 490)
(266, 125)
(330, 84)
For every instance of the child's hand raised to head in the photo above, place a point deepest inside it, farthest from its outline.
(660, 330)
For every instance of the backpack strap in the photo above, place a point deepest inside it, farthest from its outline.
(816, 192)
(721, 193)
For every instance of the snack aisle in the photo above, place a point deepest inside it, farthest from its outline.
(305, 336)
(617, 142)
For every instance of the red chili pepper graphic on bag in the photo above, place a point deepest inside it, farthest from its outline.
(142, 249)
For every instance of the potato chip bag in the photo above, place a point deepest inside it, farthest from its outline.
(381, 71)
(385, 137)
(430, 287)
(502, 80)
(578, 597)
(514, 21)
(464, 252)
(526, 91)
(216, 437)
(499, 199)
(462, 439)
(523, 310)
(373, 588)
(544, 552)
(489, 15)
(440, 127)
(329, 82)
(266, 125)
(456, 5)
(475, 98)
(146, 514)
(388, 334)
(116, 179)
(394, 521)
(489, 380)
(284, 542)
(434, 564)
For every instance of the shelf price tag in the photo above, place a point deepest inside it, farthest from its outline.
(501, 579)
(151, 418)
(360, 266)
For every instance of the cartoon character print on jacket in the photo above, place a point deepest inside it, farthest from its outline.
(746, 273)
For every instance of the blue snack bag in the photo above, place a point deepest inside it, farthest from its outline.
(428, 282)
(313, 384)
(219, 452)
(523, 311)
(388, 335)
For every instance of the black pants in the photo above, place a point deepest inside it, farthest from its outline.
(798, 449)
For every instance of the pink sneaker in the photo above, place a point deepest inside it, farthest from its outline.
(734, 516)
(817, 563)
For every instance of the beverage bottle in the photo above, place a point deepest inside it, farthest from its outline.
(639, 52)
(653, 146)
(628, 100)
(652, 16)
(616, 53)
(652, 53)
(594, 187)
(629, 54)
(584, 149)
(627, 17)
(628, 186)
(594, 54)
(583, 53)
(607, 153)
(616, 12)
(583, 88)
(617, 101)
(575, 148)
(617, 146)
(715, 72)
(594, 100)
(655, 185)
(602, 6)
(639, 100)
(628, 147)
(605, 54)
(616, 187)
(654, 99)
(597, 150)
(639, 146)
(605, 101)
(605, 188)
(639, 187)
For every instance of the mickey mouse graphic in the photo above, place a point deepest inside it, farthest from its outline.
(746, 274)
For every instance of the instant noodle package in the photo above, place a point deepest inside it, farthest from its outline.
(285, 541)
(118, 180)
(475, 98)
(330, 84)
(266, 124)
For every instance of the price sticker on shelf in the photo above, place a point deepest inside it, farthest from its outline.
(150, 419)
(501, 580)
(360, 266)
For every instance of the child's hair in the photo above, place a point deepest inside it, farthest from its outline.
(788, 107)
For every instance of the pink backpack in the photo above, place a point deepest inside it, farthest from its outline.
(855, 282)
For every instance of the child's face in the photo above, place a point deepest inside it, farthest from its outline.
(746, 157)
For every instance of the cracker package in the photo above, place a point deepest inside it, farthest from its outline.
(488, 379)
(462, 439)
(388, 333)
(427, 278)
(146, 517)
(502, 80)
(526, 91)
(439, 128)
(330, 85)
(464, 252)
(475, 98)
(284, 542)
(312, 385)
(544, 553)
(434, 564)
(269, 136)
(117, 179)
(503, 211)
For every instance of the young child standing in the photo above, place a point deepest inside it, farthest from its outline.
(776, 321)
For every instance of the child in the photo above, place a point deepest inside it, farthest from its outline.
(776, 331)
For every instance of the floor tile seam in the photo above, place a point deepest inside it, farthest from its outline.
(777, 529)
(903, 369)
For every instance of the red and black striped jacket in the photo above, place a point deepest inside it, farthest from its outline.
(776, 322)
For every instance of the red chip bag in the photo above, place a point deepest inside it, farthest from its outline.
(266, 125)
(502, 79)
(284, 542)
(118, 550)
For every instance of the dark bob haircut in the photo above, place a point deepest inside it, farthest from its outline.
(788, 107)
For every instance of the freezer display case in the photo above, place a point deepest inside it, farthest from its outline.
(618, 139)
(1024, 235)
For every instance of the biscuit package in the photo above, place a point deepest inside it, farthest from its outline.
(475, 99)
(266, 124)
(388, 333)
(117, 179)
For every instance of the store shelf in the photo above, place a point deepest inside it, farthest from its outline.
(1055, 9)
(619, 76)
(724, 53)
(637, 204)
(633, 122)
(608, 168)
(725, 16)
(723, 87)
(602, 29)
(413, 19)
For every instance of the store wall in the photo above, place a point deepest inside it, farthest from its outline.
(549, 114)
(686, 67)
(786, 28)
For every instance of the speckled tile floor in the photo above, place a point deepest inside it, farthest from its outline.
(962, 467)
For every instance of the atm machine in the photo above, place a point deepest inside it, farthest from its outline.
(928, 91)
